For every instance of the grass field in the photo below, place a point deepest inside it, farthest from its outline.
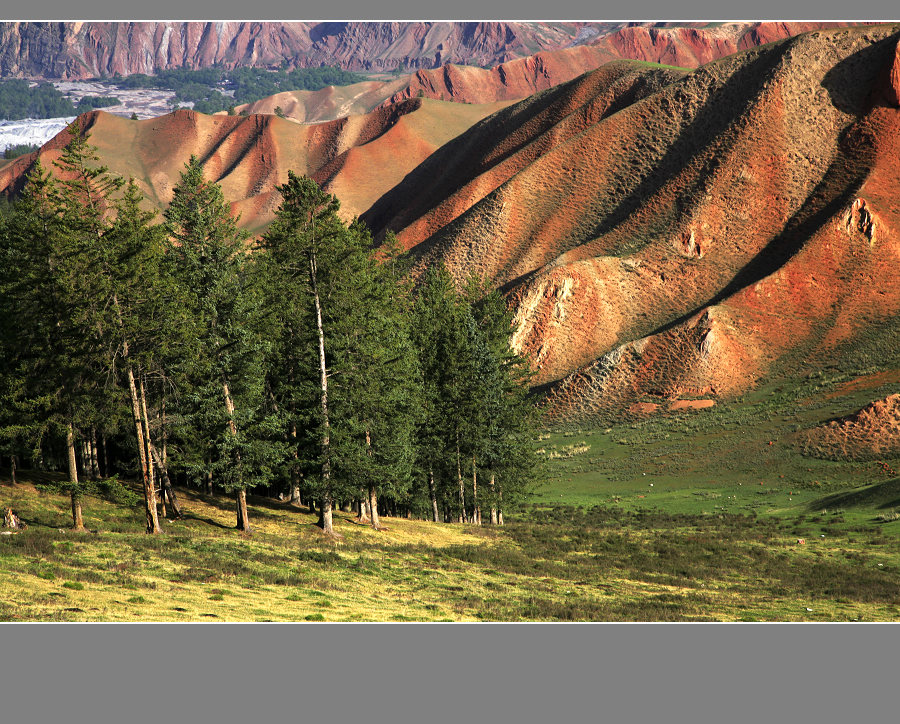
(697, 516)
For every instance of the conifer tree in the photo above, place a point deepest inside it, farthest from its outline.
(115, 253)
(48, 374)
(222, 366)
(304, 248)
(376, 398)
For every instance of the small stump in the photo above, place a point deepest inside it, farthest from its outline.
(11, 520)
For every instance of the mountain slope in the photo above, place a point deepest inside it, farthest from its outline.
(79, 50)
(728, 226)
(250, 155)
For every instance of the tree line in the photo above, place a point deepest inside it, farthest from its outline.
(304, 363)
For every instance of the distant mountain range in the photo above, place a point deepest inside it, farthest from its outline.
(80, 50)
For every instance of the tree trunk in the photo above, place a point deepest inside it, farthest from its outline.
(74, 493)
(325, 519)
(148, 442)
(373, 506)
(433, 493)
(163, 463)
(499, 503)
(362, 515)
(95, 466)
(85, 465)
(166, 487)
(149, 490)
(295, 472)
(493, 504)
(373, 497)
(325, 515)
(243, 519)
(476, 511)
(146, 479)
(207, 476)
(462, 492)
(105, 457)
(12, 468)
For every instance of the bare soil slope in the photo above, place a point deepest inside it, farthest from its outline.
(870, 434)
(250, 155)
(731, 224)
(80, 50)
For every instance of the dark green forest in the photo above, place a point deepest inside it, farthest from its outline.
(178, 352)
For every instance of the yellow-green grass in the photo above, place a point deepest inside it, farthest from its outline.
(595, 541)
(558, 563)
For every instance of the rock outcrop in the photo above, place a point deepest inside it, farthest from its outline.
(80, 50)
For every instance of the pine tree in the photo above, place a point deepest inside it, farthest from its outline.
(478, 423)
(50, 385)
(304, 250)
(376, 398)
(222, 369)
(115, 253)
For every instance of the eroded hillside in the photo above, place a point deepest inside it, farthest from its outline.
(735, 222)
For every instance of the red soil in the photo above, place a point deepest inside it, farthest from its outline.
(713, 230)
(869, 434)
(250, 155)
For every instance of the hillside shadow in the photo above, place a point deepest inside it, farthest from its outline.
(449, 163)
(832, 195)
(879, 496)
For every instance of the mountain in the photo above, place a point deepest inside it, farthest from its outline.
(667, 238)
(670, 243)
(80, 50)
(358, 157)
(686, 47)
(519, 78)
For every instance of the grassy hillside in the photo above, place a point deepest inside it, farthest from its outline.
(695, 516)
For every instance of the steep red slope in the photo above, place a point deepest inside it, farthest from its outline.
(476, 163)
(731, 225)
(686, 47)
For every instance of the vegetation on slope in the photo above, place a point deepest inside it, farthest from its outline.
(204, 87)
(166, 350)
(19, 100)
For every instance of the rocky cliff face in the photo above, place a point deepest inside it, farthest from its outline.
(84, 50)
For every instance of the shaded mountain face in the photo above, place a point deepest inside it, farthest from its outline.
(80, 50)
(666, 238)
(250, 155)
